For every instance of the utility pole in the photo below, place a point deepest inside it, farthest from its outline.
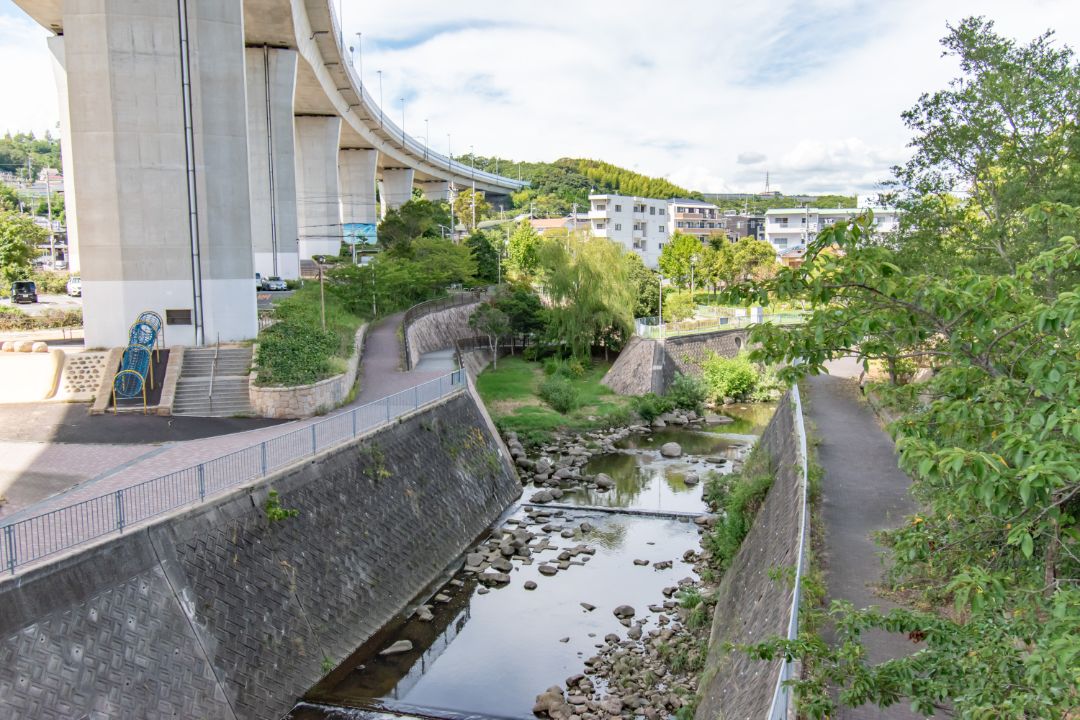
(48, 204)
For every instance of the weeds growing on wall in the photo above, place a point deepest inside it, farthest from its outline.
(737, 498)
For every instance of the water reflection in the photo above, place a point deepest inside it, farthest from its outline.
(492, 653)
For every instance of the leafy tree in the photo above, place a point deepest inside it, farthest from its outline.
(524, 250)
(1005, 134)
(676, 257)
(990, 441)
(678, 306)
(415, 219)
(590, 290)
(716, 265)
(523, 310)
(752, 259)
(646, 283)
(463, 208)
(493, 323)
(9, 199)
(18, 238)
(485, 253)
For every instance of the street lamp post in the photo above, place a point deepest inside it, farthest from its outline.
(693, 263)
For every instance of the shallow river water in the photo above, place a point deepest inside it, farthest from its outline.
(490, 652)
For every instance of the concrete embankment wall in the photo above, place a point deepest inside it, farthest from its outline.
(439, 330)
(650, 365)
(751, 606)
(221, 613)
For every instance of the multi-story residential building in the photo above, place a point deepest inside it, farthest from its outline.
(738, 226)
(695, 217)
(638, 224)
(787, 228)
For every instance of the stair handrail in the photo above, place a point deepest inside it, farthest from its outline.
(213, 370)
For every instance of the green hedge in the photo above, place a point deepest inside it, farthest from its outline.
(295, 350)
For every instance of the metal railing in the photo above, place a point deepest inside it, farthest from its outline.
(30, 539)
(465, 297)
(783, 696)
(651, 328)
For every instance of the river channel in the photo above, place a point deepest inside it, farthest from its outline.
(489, 648)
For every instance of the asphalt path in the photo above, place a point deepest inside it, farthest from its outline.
(863, 491)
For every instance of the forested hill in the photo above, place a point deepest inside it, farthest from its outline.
(557, 186)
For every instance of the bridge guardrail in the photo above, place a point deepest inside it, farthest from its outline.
(30, 539)
(783, 694)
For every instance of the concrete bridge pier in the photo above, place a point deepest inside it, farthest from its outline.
(397, 184)
(158, 134)
(56, 48)
(318, 196)
(435, 190)
(357, 169)
(271, 83)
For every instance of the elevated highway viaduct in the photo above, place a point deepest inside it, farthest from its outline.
(207, 140)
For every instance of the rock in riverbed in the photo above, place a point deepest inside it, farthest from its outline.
(401, 646)
(671, 450)
(624, 611)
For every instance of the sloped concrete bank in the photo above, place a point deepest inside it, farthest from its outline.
(751, 606)
(224, 613)
(651, 365)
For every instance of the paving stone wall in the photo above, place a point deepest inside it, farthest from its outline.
(750, 605)
(221, 613)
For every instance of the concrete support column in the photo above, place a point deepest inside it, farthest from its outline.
(435, 190)
(271, 82)
(396, 188)
(357, 170)
(158, 136)
(318, 198)
(56, 47)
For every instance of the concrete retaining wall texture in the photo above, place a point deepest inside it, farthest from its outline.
(439, 330)
(752, 607)
(686, 354)
(650, 366)
(221, 613)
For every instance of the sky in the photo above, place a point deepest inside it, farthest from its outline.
(708, 94)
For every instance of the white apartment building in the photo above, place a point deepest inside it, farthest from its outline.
(787, 228)
(640, 225)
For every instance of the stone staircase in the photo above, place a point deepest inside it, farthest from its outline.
(230, 396)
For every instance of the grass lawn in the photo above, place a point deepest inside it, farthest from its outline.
(510, 394)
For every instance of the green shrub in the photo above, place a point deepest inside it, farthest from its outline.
(15, 319)
(557, 392)
(729, 377)
(575, 369)
(650, 405)
(737, 499)
(687, 392)
(295, 354)
(552, 366)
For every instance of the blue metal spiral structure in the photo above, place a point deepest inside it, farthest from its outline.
(137, 363)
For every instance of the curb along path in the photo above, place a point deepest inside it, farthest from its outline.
(863, 491)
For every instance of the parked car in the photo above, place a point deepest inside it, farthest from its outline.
(259, 282)
(23, 291)
(60, 265)
(275, 283)
(74, 286)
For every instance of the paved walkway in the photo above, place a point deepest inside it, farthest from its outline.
(863, 491)
(71, 473)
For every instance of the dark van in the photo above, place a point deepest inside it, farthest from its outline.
(23, 291)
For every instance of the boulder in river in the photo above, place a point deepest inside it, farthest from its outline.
(603, 481)
(401, 646)
(544, 496)
(671, 450)
(691, 479)
(624, 611)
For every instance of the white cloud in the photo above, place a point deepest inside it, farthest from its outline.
(26, 82)
(683, 89)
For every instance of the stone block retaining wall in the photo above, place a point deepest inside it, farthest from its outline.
(220, 613)
(650, 365)
(300, 401)
(751, 606)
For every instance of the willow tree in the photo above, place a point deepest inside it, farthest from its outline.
(588, 283)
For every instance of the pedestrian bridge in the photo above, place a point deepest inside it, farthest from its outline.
(207, 140)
